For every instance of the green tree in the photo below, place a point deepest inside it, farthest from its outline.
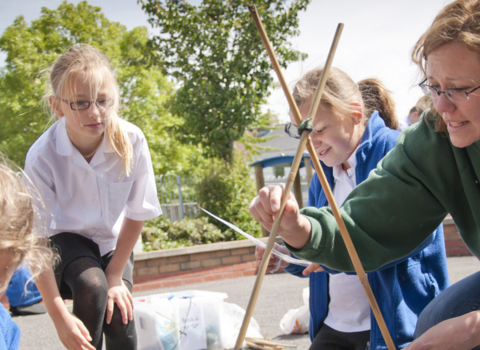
(144, 89)
(226, 191)
(223, 71)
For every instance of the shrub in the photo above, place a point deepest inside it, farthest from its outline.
(162, 233)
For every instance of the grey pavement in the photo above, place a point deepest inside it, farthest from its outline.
(279, 293)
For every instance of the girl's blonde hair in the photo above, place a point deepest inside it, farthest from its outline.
(458, 22)
(17, 216)
(341, 92)
(91, 66)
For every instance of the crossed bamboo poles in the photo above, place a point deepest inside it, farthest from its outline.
(305, 141)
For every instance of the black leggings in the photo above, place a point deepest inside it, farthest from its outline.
(89, 287)
(331, 339)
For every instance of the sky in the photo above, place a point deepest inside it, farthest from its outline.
(376, 41)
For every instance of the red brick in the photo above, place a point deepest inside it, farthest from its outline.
(233, 274)
(458, 252)
(248, 257)
(202, 272)
(223, 269)
(149, 286)
(190, 265)
(216, 277)
(146, 271)
(242, 251)
(182, 273)
(212, 262)
(143, 279)
(243, 266)
(178, 258)
(250, 272)
(169, 268)
(193, 280)
(136, 288)
(199, 256)
(220, 253)
(450, 228)
(139, 263)
(231, 260)
(160, 276)
(454, 244)
(172, 283)
(156, 262)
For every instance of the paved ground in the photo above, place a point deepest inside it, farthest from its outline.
(279, 293)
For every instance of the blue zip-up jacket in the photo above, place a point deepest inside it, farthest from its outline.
(402, 289)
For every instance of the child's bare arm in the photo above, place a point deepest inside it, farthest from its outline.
(71, 331)
(117, 292)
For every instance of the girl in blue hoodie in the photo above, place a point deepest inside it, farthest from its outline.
(354, 128)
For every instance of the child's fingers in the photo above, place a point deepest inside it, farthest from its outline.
(311, 268)
(83, 330)
(123, 309)
(110, 306)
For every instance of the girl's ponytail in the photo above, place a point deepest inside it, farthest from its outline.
(376, 97)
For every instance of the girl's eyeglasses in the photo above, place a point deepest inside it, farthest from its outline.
(82, 105)
(455, 95)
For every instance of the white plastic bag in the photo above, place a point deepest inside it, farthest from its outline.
(233, 316)
(296, 321)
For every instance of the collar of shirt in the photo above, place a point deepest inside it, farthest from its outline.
(65, 147)
(340, 174)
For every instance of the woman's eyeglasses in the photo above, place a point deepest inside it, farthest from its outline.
(455, 95)
(82, 105)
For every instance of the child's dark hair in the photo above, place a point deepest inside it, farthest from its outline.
(17, 217)
(341, 93)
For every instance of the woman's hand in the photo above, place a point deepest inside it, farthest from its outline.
(294, 228)
(312, 268)
(274, 263)
(72, 332)
(459, 333)
(119, 294)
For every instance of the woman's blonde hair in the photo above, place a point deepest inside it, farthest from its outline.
(17, 217)
(341, 92)
(458, 22)
(91, 66)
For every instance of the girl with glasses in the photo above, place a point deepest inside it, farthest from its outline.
(433, 170)
(94, 173)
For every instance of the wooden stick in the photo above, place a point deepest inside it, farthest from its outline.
(270, 343)
(291, 178)
(316, 163)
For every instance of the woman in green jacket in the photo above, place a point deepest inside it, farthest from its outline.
(433, 170)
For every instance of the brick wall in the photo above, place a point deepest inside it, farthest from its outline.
(182, 266)
(454, 244)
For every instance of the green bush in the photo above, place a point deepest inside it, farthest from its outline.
(161, 233)
(226, 191)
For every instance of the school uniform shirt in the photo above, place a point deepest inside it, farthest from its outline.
(90, 199)
(348, 310)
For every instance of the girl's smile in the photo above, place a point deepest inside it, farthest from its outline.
(334, 137)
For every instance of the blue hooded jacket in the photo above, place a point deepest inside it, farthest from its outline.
(403, 288)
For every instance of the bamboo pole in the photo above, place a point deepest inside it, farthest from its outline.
(290, 180)
(331, 200)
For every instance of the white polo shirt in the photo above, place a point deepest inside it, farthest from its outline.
(90, 198)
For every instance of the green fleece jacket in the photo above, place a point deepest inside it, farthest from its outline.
(402, 202)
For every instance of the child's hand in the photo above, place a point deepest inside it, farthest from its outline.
(274, 263)
(119, 294)
(294, 228)
(312, 268)
(72, 333)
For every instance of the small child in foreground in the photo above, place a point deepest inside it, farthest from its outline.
(18, 243)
